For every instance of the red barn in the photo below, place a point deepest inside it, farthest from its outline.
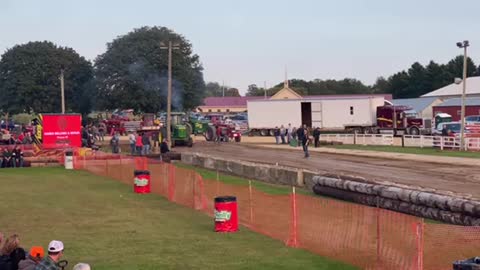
(454, 106)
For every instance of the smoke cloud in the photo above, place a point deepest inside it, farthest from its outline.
(155, 85)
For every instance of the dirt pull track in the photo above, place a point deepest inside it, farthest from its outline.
(461, 180)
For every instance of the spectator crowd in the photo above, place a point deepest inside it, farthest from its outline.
(11, 157)
(302, 135)
(14, 257)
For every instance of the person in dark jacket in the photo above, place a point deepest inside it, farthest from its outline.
(316, 136)
(300, 135)
(164, 147)
(305, 142)
(6, 158)
(34, 257)
(276, 133)
(17, 157)
(11, 253)
(146, 144)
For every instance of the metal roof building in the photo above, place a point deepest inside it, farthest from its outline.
(470, 101)
(421, 106)
(455, 90)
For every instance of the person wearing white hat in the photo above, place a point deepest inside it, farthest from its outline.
(55, 252)
(81, 266)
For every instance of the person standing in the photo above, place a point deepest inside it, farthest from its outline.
(96, 134)
(131, 141)
(115, 142)
(300, 135)
(55, 253)
(138, 144)
(305, 142)
(289, 133)
(276, 133)
(146, 144)
(102, 129)
(282, 134)
(316, 136)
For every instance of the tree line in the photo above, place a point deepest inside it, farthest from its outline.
(411, 83)
(132, 74)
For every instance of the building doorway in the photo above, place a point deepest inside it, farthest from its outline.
(307, 114)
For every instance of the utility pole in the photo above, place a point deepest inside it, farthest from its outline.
(170, 48)
(265, 89)
(62, 89)
(223, 93)
(463, 45)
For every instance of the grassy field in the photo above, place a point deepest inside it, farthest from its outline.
(234, 180)
(103, 223)
(409, 150)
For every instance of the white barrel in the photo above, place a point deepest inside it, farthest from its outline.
(69, 160)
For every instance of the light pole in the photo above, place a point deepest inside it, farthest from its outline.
(265, 89)
(463, 45)
(62, 88)
(170, 48)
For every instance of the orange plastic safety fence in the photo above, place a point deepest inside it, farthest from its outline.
(368, 237)
(159, 178)
(444, 244)
(184, 191)
(336, 229)
(398, 239)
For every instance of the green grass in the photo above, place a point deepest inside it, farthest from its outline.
(267, 188)
(103, 223)
(234, 180)
(409, 150)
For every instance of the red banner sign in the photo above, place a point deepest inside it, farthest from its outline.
(62, 131)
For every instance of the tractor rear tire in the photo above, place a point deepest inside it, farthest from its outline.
(237, 139)
(210, 134)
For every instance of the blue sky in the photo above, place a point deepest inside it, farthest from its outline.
(245, 42)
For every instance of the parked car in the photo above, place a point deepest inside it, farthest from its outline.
(472, 119)
(451, 127)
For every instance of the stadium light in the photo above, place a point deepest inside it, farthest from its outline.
(463, 45)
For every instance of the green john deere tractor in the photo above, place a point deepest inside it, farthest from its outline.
(181, 131)
(199, 125)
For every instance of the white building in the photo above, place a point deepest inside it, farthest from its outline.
(455, 90)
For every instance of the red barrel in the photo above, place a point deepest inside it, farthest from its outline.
(141, 181)
(226, 214)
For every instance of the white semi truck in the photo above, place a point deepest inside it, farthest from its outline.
(362, 114)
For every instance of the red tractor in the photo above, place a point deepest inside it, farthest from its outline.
(222, 132)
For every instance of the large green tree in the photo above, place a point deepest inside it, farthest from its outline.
(315, 87)
(29, 79)
(132, 73)
(419, 80)
(214, 89)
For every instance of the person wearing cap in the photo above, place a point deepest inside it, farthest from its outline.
(34, 257)
(55, 252)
